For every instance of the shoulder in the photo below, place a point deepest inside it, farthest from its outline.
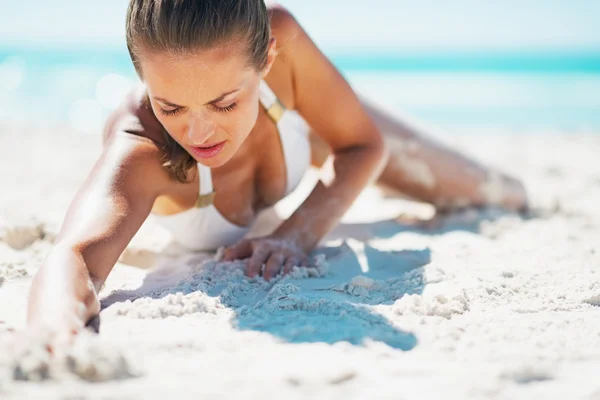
(294, 44)
(284, 26)
(133, 164)
(281, 17)
(133, 142)
(135, 117)
(293, 49)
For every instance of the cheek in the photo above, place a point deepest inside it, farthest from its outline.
(175, 127)
(243, 121)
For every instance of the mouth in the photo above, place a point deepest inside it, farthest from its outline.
(208, 150)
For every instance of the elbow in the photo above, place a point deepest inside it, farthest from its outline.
(372, 155)
(380, 149)
(379, 154)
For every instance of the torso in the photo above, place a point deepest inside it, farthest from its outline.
(246, 184)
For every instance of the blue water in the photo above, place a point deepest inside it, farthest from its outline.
(575, 61)
(515, 90)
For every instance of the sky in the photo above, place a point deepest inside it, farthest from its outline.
(343, 25)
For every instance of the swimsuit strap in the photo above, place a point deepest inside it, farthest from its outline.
(206, 193)
(270, 102)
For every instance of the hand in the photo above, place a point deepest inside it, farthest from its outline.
(61, 333)
(34, 349)
(275, 253)
(59, 319)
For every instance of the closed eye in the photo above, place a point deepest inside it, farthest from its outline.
(229, 108)
(177, 110)
(172, 112)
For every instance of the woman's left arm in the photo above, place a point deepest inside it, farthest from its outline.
(334, 112)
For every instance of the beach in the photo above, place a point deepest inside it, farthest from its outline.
(478, 304)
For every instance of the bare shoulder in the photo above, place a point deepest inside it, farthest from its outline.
(135, 117)
(133, 161)
(290, 39)
(134, 146)
(281, 18)
(284, 26)
(293, 42)
(132, 132)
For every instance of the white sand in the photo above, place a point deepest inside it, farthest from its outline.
(486, 306)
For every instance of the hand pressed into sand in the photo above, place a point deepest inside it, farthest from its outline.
(275, 254)
(61, 316)
(55, 330)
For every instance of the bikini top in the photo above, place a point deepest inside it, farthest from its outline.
(202, 227)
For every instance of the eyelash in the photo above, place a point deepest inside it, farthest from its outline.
(169, 113)
(229, 108)
(176, 111)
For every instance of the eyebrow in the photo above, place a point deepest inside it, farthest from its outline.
(218, 99)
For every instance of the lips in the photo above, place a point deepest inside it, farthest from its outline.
(208, 150)
(207, 146)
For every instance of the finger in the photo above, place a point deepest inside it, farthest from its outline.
(305, 262)
(239, 251)
(290, 263)
(273, 265)
(258, 258)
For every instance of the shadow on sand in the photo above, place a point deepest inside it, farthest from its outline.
(330, 308)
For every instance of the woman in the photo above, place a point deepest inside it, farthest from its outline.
(218, 132)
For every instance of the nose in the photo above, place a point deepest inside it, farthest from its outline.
(200, 129)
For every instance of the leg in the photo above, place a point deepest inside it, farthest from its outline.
(427, 171)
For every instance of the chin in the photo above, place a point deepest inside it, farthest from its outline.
(213, 163)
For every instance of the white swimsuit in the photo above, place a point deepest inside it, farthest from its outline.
(203, 227)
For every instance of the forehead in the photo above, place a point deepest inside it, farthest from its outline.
(195, 77)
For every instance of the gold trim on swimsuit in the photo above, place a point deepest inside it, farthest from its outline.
(205, 200)
(276, 111)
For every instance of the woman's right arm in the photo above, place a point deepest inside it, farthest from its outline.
(107, 211)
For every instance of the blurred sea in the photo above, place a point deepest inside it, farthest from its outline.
(513, 65)
(505, 90)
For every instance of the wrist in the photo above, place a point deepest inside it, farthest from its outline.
(298, 239)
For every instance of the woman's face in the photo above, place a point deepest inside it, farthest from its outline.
(207, 101)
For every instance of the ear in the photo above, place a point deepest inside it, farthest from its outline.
(271, 55)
